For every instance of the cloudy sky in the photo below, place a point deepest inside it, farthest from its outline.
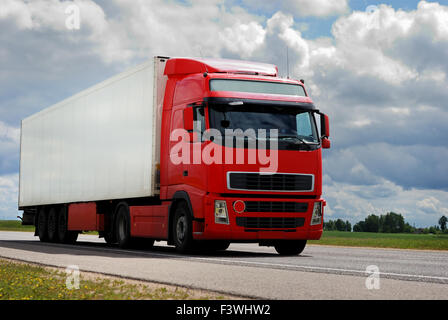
(378, 69)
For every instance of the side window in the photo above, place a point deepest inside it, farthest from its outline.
(304, 125)
(199, 119)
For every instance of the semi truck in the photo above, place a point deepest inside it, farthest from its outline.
(197, 152)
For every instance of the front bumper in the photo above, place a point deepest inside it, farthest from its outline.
(269, 229)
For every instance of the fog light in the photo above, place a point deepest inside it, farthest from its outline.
(221, 215)
(239, 206)
(316, 218)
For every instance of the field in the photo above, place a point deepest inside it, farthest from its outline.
(384, 240)
(20, 281)
(336, 238)
(9, 225)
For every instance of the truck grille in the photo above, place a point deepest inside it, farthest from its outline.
(275, 206)
(269, 222)
(270, 182)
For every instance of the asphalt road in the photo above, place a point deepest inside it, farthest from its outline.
(249, 271)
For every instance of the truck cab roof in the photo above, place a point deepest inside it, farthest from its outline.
(184, 66)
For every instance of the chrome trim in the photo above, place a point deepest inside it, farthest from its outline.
(263, 173)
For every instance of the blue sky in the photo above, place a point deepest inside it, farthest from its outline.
(380, 74)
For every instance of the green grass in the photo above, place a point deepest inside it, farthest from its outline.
(14, 225)
(384, 240)
(20, 281)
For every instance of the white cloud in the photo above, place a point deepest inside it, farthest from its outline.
(302, 8)
(9, 133)
(9, 196)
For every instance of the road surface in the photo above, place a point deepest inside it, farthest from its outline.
(250, 271)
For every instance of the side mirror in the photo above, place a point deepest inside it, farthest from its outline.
(326, 143)
(188, 119)
(324, 125)
(325, 131)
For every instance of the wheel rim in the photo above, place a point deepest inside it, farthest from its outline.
(181, 228)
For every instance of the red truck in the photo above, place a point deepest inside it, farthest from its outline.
(196, 152)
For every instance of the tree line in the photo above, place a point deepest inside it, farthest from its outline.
(391, 222)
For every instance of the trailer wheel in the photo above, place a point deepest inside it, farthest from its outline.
(65, 236)
(52, 223)
(182, 228)
(42, 225)
(123, 230)
(290, 247)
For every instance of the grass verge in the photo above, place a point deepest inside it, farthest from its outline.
(23, 281)
(14, 225)
(384, 240)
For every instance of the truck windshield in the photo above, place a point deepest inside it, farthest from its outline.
(294, 125)
(264, 87)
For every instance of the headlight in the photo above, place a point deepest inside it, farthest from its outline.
(316, 218)
(221, 215)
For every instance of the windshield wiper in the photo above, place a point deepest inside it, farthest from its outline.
(296, 140)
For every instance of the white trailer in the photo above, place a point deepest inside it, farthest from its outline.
(101, 144)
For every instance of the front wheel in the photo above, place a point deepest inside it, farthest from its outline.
(290, 247)
(182, 229)
(123, 228)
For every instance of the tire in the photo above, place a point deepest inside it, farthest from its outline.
(52, 225)
(110, 238)
(123, 228)
(290, 247)
(109, 230)
(64, 235)
(182, 229)
(42, 225)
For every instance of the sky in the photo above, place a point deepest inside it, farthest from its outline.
(378, 69)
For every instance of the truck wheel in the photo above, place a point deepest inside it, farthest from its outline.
(182, 229)
(123, 231)
(110, 238)
(42, 225)
(65, 236)
(52, 223)
(290, 247)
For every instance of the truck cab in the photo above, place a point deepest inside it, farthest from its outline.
(238, 182)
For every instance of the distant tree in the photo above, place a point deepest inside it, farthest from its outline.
(408, 228)
(340, 225)
(442, 222)
(372, 223)
(391, 223)
(433, 229)
(348, 226)
(359, 227)
(329, 226)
